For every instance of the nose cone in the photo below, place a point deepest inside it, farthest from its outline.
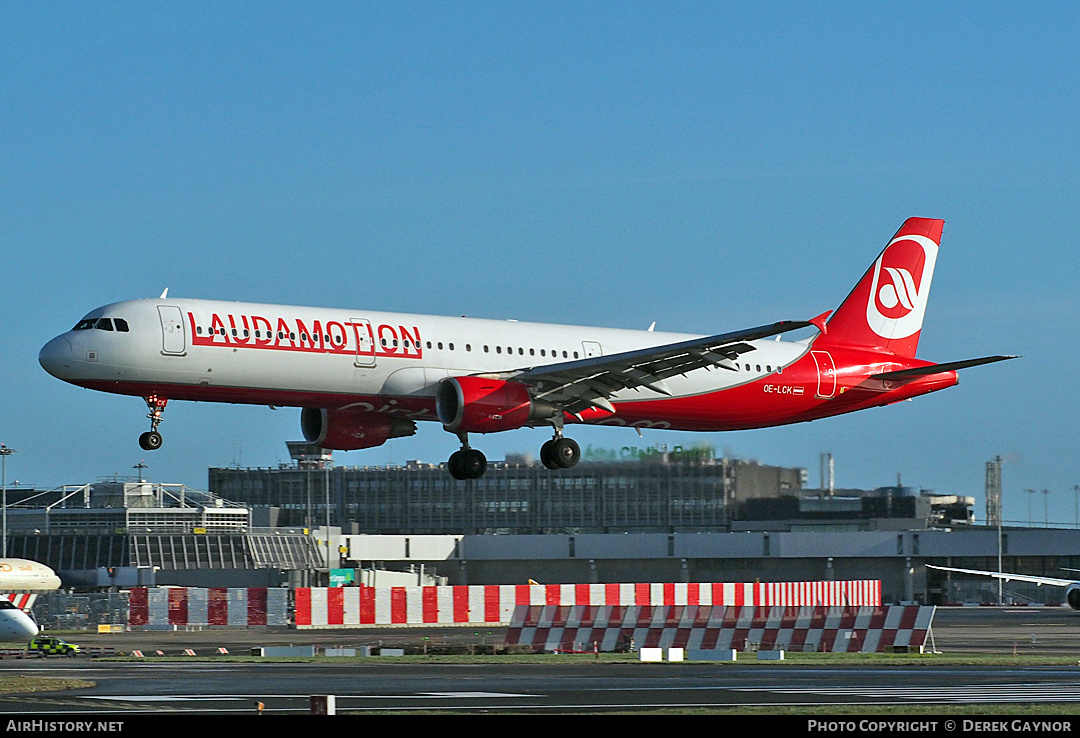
(55, 356)
(16, 626)
(27, 627)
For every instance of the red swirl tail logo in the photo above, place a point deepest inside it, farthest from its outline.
(900, 287)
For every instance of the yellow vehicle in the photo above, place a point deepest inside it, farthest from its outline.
(47, 646)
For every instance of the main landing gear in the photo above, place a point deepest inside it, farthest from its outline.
(560, 453)
(151, 440)
(468, 463)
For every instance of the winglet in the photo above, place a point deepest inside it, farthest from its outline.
(819, 321)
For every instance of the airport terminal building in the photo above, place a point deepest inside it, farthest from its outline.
(659, 517)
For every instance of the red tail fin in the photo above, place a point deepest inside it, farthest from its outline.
(886, 307)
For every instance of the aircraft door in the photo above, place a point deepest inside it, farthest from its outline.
(592, 348)
(365, 342)
(173, 341)
(826, 374)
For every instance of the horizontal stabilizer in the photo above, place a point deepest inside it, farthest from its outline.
(952, 366)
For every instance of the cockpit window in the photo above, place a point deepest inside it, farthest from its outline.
(7, 605)
(102, 324)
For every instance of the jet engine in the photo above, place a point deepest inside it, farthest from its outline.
(350, 428)
(1072, 596)
(482, 405)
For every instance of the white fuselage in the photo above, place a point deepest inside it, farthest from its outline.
(314, 357)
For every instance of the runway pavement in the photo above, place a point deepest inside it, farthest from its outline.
(563, 685)
(1036, 630)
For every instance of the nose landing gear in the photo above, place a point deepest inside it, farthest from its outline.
(151, 440)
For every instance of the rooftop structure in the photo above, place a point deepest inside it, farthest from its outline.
(135, 532)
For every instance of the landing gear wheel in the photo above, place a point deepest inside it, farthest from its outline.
(150, 441)
(565, 452)
(475, 464)
(468, 463)
(456, 465)
(547, 455)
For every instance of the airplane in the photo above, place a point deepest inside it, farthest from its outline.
(1072, 591)
(363, 377)
(20, 581)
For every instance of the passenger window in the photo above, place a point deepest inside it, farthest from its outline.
(104, 324)
(121, 325)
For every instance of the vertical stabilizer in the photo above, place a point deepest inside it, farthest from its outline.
(886, 308)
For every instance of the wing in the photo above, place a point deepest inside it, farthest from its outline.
(579, 385)
(1051, 581)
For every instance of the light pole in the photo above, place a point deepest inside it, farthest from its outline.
(1046, 508)
(4, 453)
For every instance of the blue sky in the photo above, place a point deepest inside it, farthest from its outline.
(708, 166)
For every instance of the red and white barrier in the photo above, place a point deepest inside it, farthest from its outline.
(159, 607)
(22, 600)
(322, 607)
(832, 629)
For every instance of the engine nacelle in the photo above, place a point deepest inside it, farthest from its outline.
(1072, 596)
(480, 405)
(348, 429)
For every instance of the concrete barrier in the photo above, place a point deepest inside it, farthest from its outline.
(716, 654)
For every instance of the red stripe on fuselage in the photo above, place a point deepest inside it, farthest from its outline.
(781, 398)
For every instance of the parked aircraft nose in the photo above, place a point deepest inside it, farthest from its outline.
(16, 626)
(26, 628)
(55, 356)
